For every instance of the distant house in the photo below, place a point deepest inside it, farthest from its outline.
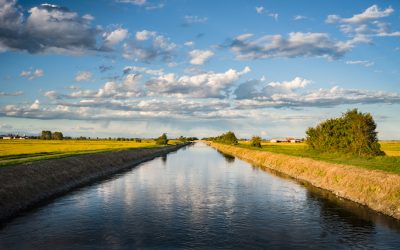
(295, 140)
(7, 137)
(278, 140)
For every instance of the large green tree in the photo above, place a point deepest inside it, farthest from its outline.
(46, 135)
(57, 136)
(353, 132)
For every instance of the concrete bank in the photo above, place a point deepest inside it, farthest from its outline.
(23, 186)
(376, 189)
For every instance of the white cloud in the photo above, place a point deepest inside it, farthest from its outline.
(195, 19)
(371, 13)
(299, 17)
(134, 2)
(297, 44)
(260, 9)
(274, 16)
(199, 57)
(31, 74)
(361, 62)
(202, 85)
(136, 69)
(149, 46)
(189, 43)
(18, 93)
(35, 105)
(260, 89)
(83, 76)
(114, 37)
(144, 35)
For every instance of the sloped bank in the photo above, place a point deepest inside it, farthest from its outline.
(376, 189)
(23, 186)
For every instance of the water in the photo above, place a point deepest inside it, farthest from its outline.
(198, 198)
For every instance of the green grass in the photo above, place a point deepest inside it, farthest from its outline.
(389, 163)
(22, 151)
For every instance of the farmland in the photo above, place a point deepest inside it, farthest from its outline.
(22, 151)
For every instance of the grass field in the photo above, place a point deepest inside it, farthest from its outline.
(22, 151)
(389, 163)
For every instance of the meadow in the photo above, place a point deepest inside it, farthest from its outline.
(22, 151)
(389, 163)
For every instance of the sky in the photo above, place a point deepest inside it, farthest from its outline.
(139, 68)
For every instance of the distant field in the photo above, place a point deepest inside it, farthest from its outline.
(390, 162)
(21, 151)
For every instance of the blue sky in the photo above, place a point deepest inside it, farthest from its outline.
(138, 68)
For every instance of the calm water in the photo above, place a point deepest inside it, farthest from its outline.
(198, 198)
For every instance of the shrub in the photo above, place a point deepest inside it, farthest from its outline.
(255, 141)
(353, 132)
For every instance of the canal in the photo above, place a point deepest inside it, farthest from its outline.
(198, 198)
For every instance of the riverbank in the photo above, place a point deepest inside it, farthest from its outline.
(376, 189)
(25, 185)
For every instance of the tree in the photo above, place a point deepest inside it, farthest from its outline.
(255, 141)
(46, 135)
(162, 140)
(57, 136)
(353, 133)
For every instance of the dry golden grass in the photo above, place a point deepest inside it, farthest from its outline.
(376, 189)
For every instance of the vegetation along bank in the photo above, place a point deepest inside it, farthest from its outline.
(25, 185)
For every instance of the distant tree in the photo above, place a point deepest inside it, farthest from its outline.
(138, 140)
(162, 140)
(57, 136)
(46, 135)
(255, 141)
(353, 133)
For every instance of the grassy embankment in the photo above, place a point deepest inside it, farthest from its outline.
(389, 163)
(364, 182)
(22, 151)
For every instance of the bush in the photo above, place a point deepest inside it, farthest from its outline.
(255, 141)
(353, 133)
(162, 140)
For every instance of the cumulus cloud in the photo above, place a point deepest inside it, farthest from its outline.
(259, 89)
(149, 46)
(31, 74)
(260, 9)
(366, 24)
(203, 85)
(361, 62)
(297, 44)
(35, 105)
(199, 57)
(370, 13)
(144, 35)
(83, 76)
(114, 37)
(47, 28)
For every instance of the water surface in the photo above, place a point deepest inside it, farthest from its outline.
(198, 198)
